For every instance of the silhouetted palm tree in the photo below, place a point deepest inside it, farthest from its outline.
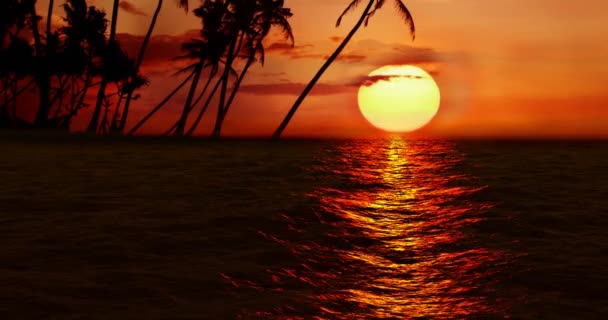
(92, 127)
(84, 46)
(125, 113)
(40, 72)
(14, 17)
(16, 58)
(16, 61)
(254, 27)
(160, 105)
(125, 78)
(370, 10)
(49, 19)
(208, 50)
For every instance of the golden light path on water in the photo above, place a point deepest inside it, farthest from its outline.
(387, 238)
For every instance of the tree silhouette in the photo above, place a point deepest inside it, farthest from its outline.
(160, 105)
(84, 47)
(254, 27)
(370, 10)
(92, 127)
(121, 71)
(41, 74)
(62, 65)
(209, 48)
(125, 113)
(16, 58)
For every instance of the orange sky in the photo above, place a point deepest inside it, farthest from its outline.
(505, 67)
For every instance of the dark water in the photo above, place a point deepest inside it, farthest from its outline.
(362, 229)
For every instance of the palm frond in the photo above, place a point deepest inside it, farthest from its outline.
(353, 5)
(183, 4)
(407, 16)
(379, 4)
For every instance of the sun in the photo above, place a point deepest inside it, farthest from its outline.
(399, 98)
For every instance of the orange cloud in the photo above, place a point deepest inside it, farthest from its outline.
(161, 49)
(321, 89)
(131, 8)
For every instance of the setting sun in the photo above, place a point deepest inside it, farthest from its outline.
(399, 98)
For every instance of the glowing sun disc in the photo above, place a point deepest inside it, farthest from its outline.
(399, 98)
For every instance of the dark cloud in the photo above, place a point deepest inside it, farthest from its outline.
(404, 54)
(321, 89)
(335, 39)
(349, 57)
(293, 52)
(161, 48)
(370, 80)
(369, 52)
(273, 74)
(131, 8)
(306, 51)
(283, 46)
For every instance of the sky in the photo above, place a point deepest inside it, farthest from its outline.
(505, 68)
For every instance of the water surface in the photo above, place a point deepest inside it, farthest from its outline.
(349, 229)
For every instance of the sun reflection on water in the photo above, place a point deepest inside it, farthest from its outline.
(388, 238)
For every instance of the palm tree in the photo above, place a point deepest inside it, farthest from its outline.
(84, 44)
(42, 80)
(207, 50)
(160, 105)
(125, 113)
(92, 128)
(267, 13)
(49, 19)
(16, 57)
(370, 10)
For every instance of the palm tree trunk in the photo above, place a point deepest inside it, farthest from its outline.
(198, 99)
(79, 103)
(104, 122)
(44, 86)
(204, 109)
(184, 117)
(5, 117)
(140, 59)
(325, 66)
(225, 76)
(17, 93)
(92, 128)
(200, 96)
(49, 17)
(237, 85)
(160, 105)
(14, 93)
(114, 127)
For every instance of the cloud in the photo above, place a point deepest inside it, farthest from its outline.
(291, 88)
(370, 80)
(369, 52)
(273, 74)
(161, 48)
(307, 51)
(293, 52)
(282, 47)
(349, 57)
(131, 8)
(380, 54)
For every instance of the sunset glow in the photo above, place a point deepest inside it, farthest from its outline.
(399, 98)
(530, 79)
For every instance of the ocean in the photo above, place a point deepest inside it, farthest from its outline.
(303, 229)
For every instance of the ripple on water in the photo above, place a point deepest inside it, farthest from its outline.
(384, 238)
